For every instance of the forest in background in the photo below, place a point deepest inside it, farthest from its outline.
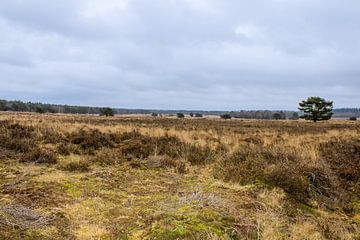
(20, 106)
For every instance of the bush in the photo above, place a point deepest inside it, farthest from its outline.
(93, 139)
(352, 118)
(16, 138)
(243, 166)
(198, 115)
(343, 157)
(279, 116)
(281, 168)
(140, 146)
(180, 115)
(108, 112)
(225, 116)
(154, 114)
(76, 166)
(38, 155)
(197, 155)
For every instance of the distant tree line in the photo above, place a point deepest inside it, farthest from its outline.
(264, 114)
(347, 112)
(19, 106)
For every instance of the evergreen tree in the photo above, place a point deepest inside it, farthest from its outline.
(316, 109)
(108, 112)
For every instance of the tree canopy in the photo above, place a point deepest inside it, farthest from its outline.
(108, 112)
(316, 109)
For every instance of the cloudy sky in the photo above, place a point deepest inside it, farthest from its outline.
(180, 54)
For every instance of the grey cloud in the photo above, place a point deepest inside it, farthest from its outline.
(205, 54)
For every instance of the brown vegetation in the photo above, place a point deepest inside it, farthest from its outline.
(83, 177)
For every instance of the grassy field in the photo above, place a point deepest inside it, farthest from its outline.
(86, 177)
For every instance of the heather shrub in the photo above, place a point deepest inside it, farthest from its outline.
(92, 139)
(282, 168)
(198, 155)
(343, 157)
(40, 155)
(80, 165)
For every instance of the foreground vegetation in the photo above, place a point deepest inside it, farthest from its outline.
(82, 177)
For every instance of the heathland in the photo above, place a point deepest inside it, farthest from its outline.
(89, 177)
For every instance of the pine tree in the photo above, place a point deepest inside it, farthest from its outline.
(316, 109)
(108, 112)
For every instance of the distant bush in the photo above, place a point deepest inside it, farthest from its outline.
(191, 115)
(225, 116)
(294, 116)
(180, 115)
(279, 116)
(352, 118)
(108, 112)
(154, 114)
(198, 115)
(40, 109)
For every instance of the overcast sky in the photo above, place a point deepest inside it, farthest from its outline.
(180, 54)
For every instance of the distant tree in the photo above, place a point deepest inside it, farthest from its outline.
(19, 106)
(180, 115)
(316, 109)
(279, 115)
(191, 115)
(352, 118)
(225, 116)
(40, 109)
(198, 115)
(294, 116)
(3, 106)
(154, 114)
(108, 112)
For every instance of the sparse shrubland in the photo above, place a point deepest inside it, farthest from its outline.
(82, 177)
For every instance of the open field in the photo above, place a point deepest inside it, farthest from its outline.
(87, 177)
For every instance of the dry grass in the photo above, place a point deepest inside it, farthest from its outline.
(85, 177)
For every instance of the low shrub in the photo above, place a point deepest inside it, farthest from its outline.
(158, 161)
(343, 157)
(16, 130)
(38, 155)
(285, 169)
(76, 166)
(243, 166)
(106, 157)
(198, 155)
(180, 115)
(16, 138)
(352, 118)
(137, 148)
(92, 139)
(225, 116)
